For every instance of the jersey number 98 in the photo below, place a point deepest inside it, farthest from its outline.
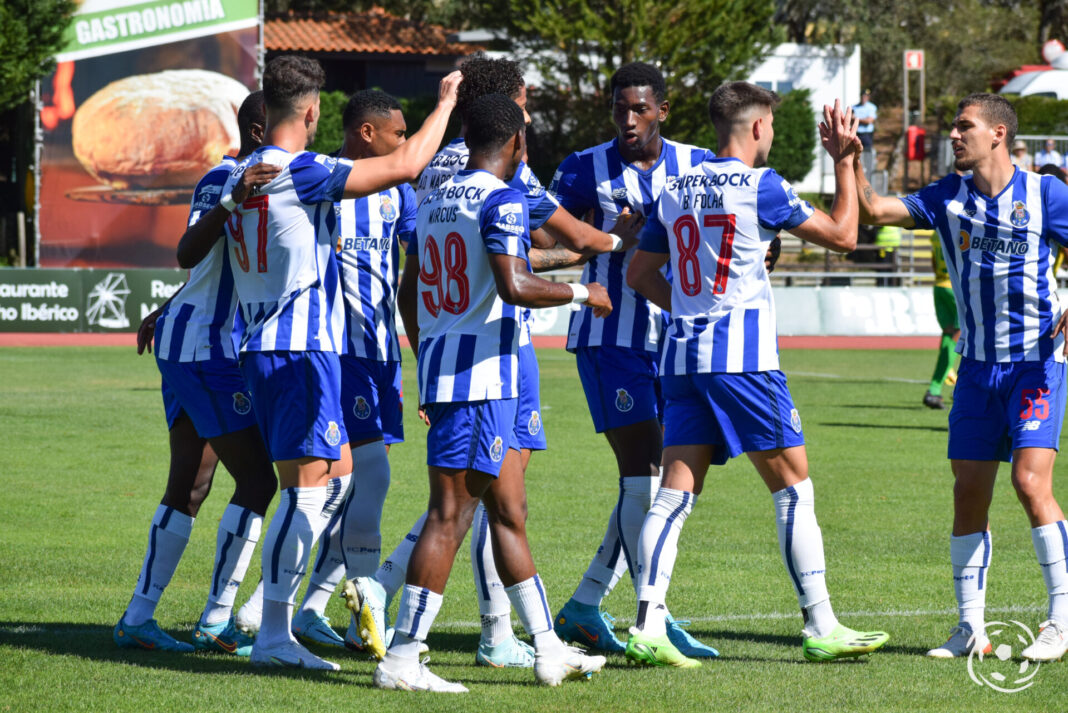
(450, 289)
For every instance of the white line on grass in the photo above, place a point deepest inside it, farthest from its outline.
(1016, 609)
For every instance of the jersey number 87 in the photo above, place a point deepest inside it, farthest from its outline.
(688, 240)
(442, 283)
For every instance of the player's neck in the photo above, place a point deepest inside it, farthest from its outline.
(497, 165)
(644, 156)
(354, 152)
(992, 174)
(291, 136)
(733, 149)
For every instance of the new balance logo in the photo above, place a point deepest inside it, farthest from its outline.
(1032, 425)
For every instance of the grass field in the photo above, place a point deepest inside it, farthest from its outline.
(83, 454)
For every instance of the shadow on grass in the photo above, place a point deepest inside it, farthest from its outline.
(93, 642)
(888, 426)
(883, 407)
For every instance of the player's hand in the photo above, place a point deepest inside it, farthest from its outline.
(628, 227)
(422, 416)
(598, 300)
(146, 331)
(838, 132)
(254, 178)
(1061, 328)
(772, 255)
(448, 88)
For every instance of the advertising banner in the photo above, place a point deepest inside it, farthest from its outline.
(41, 300)
(142, 103)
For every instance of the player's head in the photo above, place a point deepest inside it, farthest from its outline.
(742, 113)
(639, 104)
(291, 87)
(483, 76)
(374, 123)
(496, 130)
(251, 119)
(985, 125)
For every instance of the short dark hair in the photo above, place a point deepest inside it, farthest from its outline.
(251, 112)
(290, 78)
(732, 100)
(492, 120)
(368, 103)
(483, 76)
(1052, 169)
(639, 74)
(995, 109)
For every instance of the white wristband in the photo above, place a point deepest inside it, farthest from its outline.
(579, 293)
(228, 202)
(617, 242)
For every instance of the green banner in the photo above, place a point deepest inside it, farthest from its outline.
(108, 26)
(40, 300)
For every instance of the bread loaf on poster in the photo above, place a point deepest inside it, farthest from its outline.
(155, 130)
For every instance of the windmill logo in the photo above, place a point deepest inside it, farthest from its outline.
(106, 306)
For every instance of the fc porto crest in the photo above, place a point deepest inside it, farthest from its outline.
(624, 401)
(497, 450)
(333, 434)
(242, 405)
(795, 420)
(1020, 217)
(361, 409)
(534, 424)
(387, 210)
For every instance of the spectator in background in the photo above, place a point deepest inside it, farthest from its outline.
(1048, 155)
(1019, 156)
(866, 112)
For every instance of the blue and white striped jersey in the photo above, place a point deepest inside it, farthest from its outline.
(368, 235)
(999, 252)
(198, 324)
(282, 254)
(468, 336)
(716, 221)
(597, 180)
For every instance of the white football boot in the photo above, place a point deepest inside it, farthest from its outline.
(960, 643)
(1050, 644)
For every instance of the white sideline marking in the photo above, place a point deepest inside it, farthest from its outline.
(818, 375)
(1030, 609)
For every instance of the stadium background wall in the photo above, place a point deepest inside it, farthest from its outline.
(116, 300)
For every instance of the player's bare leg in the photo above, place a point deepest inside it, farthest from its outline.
(1032, 477)
(312, 490)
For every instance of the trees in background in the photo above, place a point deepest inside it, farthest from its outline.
(31, 32)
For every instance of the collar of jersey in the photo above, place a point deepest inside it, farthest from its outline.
(985, 197)
(457, 140)
(724, 159)
(631, 166)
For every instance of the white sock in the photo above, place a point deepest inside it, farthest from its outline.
(394, 569)
(361, 532)
(1051, 546)
(636, 494)
(252, 610)
(493, 606)
(528, 598)
(302, 515)
(801, 546)
(167, 538)
(329, 565)
(415, 614)
(239, 531)
(605, 569)
(970, 555)
(657, 548)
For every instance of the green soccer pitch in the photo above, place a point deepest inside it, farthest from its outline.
(83, 462)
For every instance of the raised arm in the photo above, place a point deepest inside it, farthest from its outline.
(371, 175)
(581, 237)
(518, 286)
(644, 277)
(876, 209)
(199, 238)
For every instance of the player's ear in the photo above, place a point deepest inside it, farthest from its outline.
(256, 132)
(665, 108)
(367, 131)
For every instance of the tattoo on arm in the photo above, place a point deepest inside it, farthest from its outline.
(545, 259)
(868, 193)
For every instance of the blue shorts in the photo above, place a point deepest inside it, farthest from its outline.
(737, 413)
(471, 435)
(298, 402)
(999, 407)
(372, 399)
(529, 432)
(621, 385)
(212, 393)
